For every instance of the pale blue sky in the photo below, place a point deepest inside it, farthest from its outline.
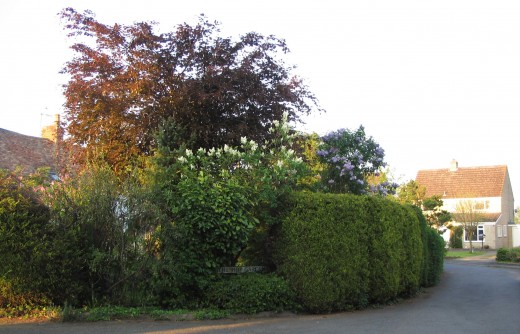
(429, 80)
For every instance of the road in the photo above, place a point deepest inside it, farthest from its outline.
(474, 296)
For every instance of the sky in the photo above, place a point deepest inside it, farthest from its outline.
(430, 81)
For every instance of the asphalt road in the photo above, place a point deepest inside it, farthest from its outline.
(475, 296)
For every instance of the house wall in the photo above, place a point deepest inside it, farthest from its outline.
(514, 235)
(494, 204)
(490, 238)
(508, 201)
(502, 232)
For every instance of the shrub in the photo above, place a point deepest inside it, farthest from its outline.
(508, 254)
(350, 158)
(251, 293)
(340, 252)
(412, 259)
(502, 254)
(437, 251)
(216, 199)
(322, 248)
(14, 303)
(456, 237)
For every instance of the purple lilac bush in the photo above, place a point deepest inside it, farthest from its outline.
(351, 158)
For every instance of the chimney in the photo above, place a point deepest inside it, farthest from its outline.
(53, 132)
(454, 165)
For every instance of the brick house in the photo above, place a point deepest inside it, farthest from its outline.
(31, 153)
(487, 188)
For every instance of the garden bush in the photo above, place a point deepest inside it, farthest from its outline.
(456, 237)
(412, 258)
(251, 293)
(508, 254)
(433, 251)
(14, 303)
(342, 252)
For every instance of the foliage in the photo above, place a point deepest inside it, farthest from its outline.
(107, 224)
(307, 146)
(126, 80)
(508, 254)
(395, 250)
(211, 314)
(343, 251)
(113, 312)
(16, 303)
(251, 293)
(435, 217)
(216, 199)
(456, 237)
(437, 252)
(25, 236)
(350, 158)
(433, 251)
(411, 193)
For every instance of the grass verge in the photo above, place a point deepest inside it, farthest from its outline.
(461, 254)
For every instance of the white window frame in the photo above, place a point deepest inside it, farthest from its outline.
(499, 231)
(479, 228)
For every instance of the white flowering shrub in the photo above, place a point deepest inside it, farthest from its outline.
(219, 196)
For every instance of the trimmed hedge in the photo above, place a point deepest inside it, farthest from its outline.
(433, 251)
(341, 252)
(508, 255)
(251, 293)
(328, 270)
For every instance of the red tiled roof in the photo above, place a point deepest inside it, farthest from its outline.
(27, 152)
(466, 182)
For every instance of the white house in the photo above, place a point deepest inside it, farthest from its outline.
(488, 188)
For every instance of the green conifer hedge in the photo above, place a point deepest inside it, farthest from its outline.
(341, 252)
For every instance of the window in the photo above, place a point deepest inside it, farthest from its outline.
(504, 231)
(477, 235)
(499, 231)
(481, 205)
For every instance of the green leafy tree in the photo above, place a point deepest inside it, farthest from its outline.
(435, 216)
(411, 193)
(127, 80)
(415, 194)
(307, 146)
(351, 158)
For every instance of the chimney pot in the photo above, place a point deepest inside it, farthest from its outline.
(454, 165)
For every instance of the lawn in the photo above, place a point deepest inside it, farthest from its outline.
(461, 254)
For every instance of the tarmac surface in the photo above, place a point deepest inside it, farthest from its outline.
(476, 295)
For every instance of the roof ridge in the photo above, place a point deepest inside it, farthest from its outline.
(470, 167)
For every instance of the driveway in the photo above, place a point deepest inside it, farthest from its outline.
(475, 296)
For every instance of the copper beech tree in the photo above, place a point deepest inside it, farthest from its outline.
(127, 80)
